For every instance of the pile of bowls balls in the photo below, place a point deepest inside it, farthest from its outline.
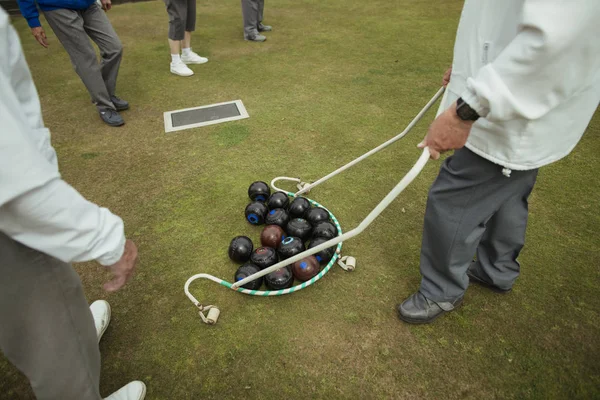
(290, 228)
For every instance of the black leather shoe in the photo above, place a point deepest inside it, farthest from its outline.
(120, 104)
(264, 28)
(418, 309)
(473, 278)
(111, 117)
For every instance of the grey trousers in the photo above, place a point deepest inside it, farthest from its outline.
(47, 329)
(252, 11)
(182, 17)
(473, 209)
(72, 27)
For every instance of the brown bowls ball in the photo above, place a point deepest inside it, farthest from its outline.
(306, 268)
(271, 236)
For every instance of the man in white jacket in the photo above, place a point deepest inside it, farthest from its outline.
(48, 331)
(524, 85)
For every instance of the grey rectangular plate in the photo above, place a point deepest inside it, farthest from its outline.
(205, 115)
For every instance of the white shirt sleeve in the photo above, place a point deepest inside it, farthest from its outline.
(37, 208)
(555, 53)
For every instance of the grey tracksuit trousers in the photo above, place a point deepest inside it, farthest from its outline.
(74, 28)
(473, 208)
(252, 11)
(47, 329)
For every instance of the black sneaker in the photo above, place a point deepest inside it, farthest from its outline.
(120, 104)
(111, 117)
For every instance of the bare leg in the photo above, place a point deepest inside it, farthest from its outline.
(186, 43)
(175, 46)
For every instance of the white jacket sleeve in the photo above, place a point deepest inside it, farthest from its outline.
(556, 51)
(37, 208)
(55, 219)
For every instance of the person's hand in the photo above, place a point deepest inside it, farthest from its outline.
(446, 78)
(123, 269)
(106, 4)
(447, 132)
(39, 35)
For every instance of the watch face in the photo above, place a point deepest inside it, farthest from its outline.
(465, 112)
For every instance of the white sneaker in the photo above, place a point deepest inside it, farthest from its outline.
(101, 312)
(179, 68)
(135, 390)
(193, 58)
(255, 38)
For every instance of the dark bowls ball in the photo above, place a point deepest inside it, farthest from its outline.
(298, 207)
(316, 215)
(278, 217)
(324, 229)
(323, 256)
(245, 271)
(240, 249)
(264, 257)
(256, 212)
(259, 191)
(299, 227)
(289, 247)
(278, 200)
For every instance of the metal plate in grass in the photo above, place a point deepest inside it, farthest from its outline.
(205, 115)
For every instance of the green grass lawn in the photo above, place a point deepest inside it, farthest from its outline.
(334, 79)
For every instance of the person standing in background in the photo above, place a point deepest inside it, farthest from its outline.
(252, 11)
(75, 22)
(182, 22)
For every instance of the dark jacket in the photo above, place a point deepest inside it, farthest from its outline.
(31, 14)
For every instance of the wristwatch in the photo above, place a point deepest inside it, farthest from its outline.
(465, 112)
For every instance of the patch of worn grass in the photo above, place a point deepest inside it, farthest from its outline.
(89, 156)
(335, 79)
(231, 135)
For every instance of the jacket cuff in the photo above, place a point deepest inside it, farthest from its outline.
(114, 256)
(470, 97)
(34, 22)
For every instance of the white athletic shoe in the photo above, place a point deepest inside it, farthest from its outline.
(255, 38)
(101, 312)
(193, 58)
(135, 390)
(179, 68)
